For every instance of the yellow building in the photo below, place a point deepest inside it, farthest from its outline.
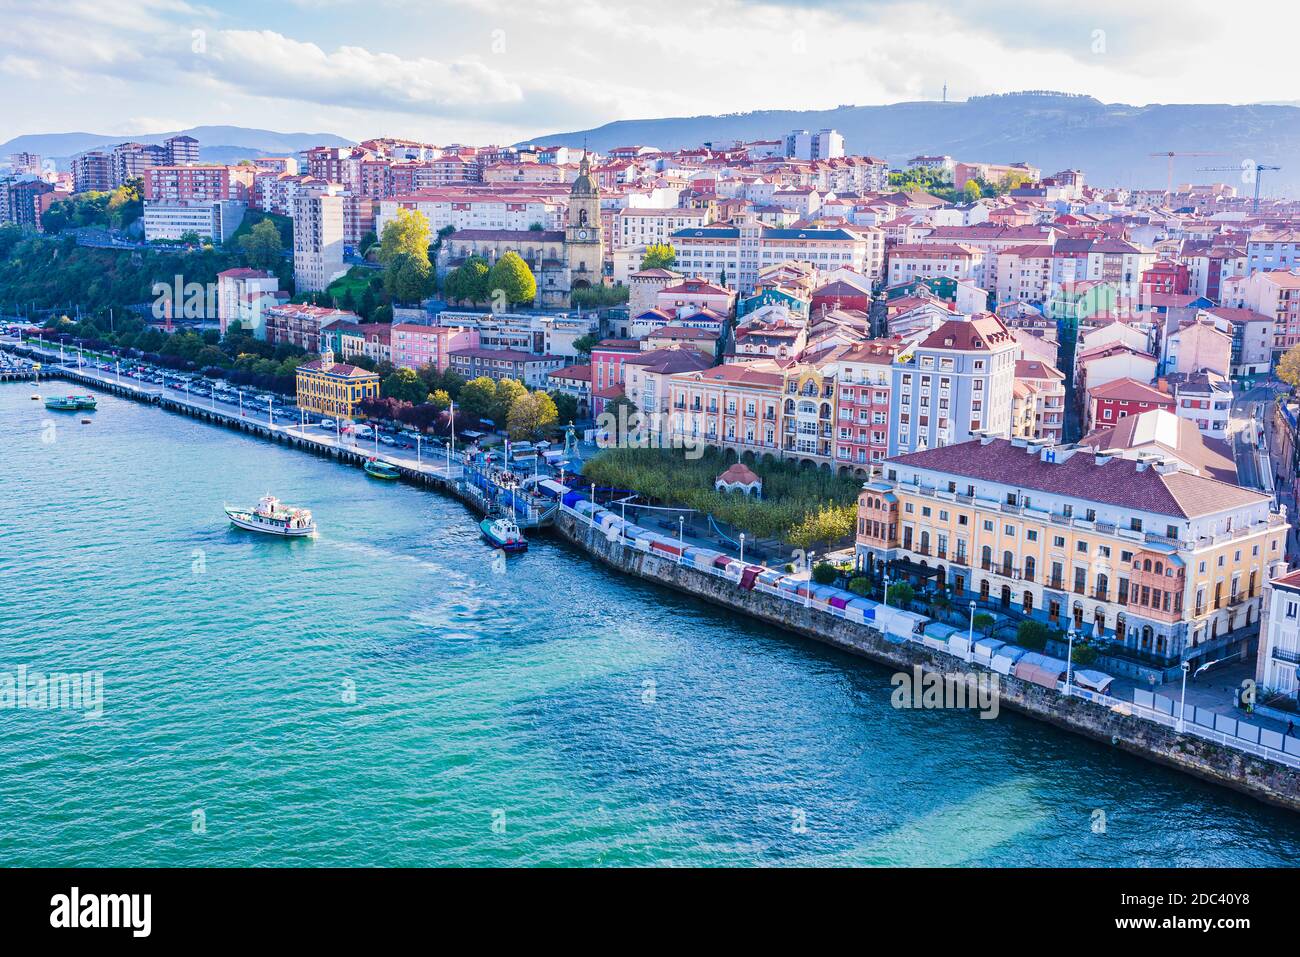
(1166, 563)
(334, 388)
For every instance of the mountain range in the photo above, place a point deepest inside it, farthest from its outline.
(1110, 142)
(217, 144)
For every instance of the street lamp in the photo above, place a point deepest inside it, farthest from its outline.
(1069, 660)
(970, 632)
(681, 536)
(742, 546)
(418, 439)
(241, 402)
(884, 578)
(1182, 707)
(270, 419)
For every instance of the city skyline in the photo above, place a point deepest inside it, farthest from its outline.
(477, 71)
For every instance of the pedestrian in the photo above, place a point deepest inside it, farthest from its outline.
(1290, 727)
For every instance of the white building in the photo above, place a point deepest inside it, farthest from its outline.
(216, 220)
(1279, 636)
(317, 237)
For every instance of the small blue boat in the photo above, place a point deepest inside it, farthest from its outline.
(504, 534)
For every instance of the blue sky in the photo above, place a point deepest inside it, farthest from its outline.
(501, 70)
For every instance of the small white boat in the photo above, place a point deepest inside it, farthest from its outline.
(272, 517)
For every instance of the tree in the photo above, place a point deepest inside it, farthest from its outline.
(513, 278)
(531, 415)
(261, 246)
(476, 398)
(404, 385)
(508, 392)
(861, 585)
(1288, 367)
(972, 191)
(584, 344)
(468, 282)
(900, 594)
(983, 622)
(1084, 655)
(407, 278)
(1032, 635)
(824, 573)
(659, 256)
(440, 399)
(566, 406)
(407, 232)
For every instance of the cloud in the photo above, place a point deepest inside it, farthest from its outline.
(266, 63)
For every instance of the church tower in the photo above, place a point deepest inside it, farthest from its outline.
(583, 245)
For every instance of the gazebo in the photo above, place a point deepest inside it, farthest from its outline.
(739, 478)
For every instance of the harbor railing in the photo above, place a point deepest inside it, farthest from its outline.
(1286, 753)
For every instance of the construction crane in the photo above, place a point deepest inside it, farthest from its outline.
(1246, 166)
(1169, 155)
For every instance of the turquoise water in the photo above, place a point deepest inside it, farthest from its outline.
(553, 714)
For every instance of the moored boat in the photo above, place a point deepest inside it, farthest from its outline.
(71, 403)
(381, 470)
(504, 534)
(271, 517)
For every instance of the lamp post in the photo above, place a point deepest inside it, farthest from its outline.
(451, 449)
(1069, 660)
(681, 536)
(270, 419)
(884, 579)
(418, 439)
(970, 631)
(241, 402)
(742, 546)
(1182, 707)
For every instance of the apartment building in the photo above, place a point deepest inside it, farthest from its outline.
(1038, 401)
(1170, 565)
(734, 406)
(317, 237)
(498, 364)
(955, 382)
(300, 325)
(415, 346)
(1278, 662)
(1275, 294)
(908, 262)
(864, 380)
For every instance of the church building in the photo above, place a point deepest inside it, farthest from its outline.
(561, 260)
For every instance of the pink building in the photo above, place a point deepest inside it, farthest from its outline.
(862, 375)
(607, 360)
(415, 346)
(171, 185)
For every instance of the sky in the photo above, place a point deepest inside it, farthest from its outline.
(499, 71)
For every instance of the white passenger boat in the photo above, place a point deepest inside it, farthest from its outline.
(272, 517)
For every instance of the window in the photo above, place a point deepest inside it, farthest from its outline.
(1291, 609)
(1009, 530)
(1135, 524)
(988, 525)
(1081, 546)
(1032, 535)
(1058, 541)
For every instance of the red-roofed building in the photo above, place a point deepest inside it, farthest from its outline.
(1109, 403)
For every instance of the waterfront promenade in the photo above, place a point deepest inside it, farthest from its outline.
(447, 474)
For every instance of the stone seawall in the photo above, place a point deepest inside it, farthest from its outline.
(1273, 783)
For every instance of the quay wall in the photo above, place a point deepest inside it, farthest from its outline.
(1265, 780)
(1257, 777)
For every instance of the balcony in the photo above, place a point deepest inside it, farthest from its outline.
(1287, 655)
(1056, 583)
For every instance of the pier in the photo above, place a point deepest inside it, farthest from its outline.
(448, 472)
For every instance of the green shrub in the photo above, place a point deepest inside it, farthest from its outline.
(860, 585)
(824, 573)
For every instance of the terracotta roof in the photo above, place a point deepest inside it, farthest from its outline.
(1130, 390)
(1118, 482)
(739, 473)
(976, 333)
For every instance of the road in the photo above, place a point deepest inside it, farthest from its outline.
(1247, 433)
